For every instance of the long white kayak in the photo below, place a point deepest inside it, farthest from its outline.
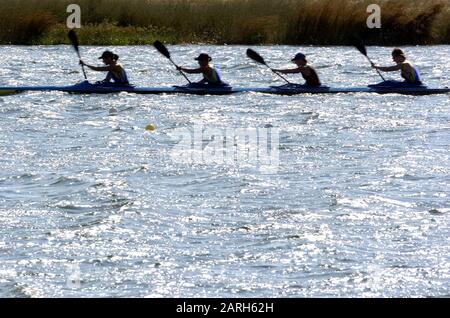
(87, 88)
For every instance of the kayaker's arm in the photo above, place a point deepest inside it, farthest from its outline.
(388, 68)
(190, 71)
(293, 71)
(97, 68)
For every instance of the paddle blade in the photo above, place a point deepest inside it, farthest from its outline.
(360, 46)
(162, 49)
(255, 57)
(74, 39)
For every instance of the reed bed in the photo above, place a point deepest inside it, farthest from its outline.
(324, 22)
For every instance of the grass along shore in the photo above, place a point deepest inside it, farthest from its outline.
(134, 22)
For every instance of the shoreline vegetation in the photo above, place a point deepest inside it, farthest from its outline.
(291, 22)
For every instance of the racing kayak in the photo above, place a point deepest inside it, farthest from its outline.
(289, 89)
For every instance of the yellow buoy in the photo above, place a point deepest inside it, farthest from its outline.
(150, 127)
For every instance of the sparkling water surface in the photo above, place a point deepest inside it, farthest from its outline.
(92, 205)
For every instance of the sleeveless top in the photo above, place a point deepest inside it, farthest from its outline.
(212, 77)
(120, 77)
(312, 79)
(411, 74)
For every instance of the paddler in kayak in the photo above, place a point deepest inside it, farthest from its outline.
(211, 75)
(408, 71)
(307, 71)
(116, 72)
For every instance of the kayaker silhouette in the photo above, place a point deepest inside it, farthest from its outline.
(211, 75)
(307, 71)
(409, 72)
(116, 72)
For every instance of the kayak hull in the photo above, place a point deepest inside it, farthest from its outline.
(87, 88)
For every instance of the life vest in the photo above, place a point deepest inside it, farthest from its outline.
(212, 77)
(120, 77)
(312, 79)
(412, 75)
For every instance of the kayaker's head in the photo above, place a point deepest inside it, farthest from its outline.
(109, 57)
(203, 59)
(398, 56)
(300, 59)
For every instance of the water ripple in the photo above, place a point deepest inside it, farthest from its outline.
(92, 205)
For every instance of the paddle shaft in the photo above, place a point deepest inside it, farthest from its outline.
(161, 48)
(281, 76)
(378, 71)
(181, 72)
(260, 60)
(82, 66)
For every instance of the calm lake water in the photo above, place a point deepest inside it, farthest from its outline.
(93, 205)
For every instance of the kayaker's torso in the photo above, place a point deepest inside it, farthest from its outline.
(410, 73)
(310, 75)
(119, 75)
(211, 75)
